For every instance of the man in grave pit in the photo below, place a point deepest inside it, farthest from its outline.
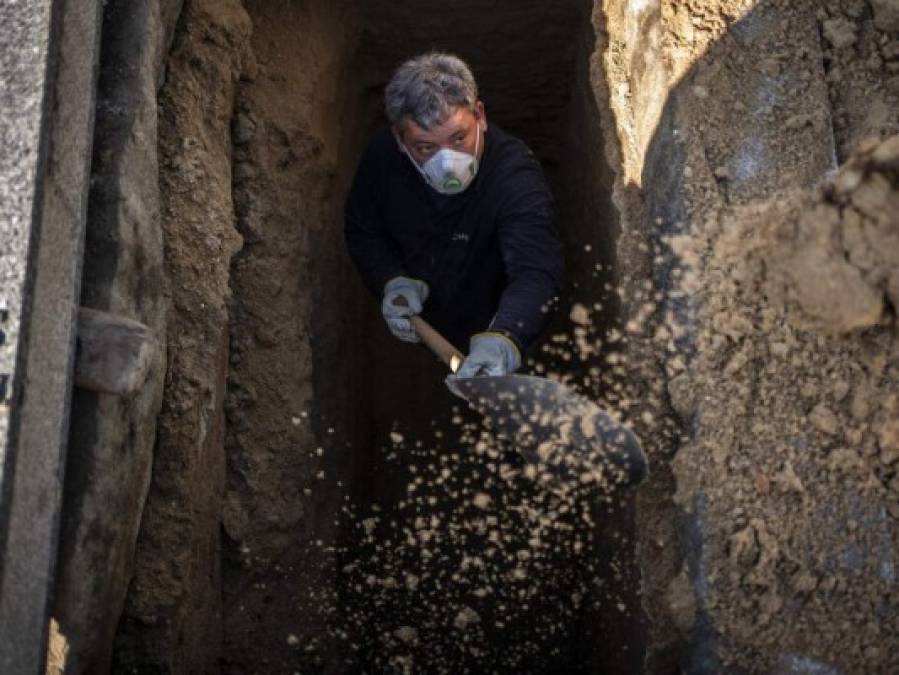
(456, 218)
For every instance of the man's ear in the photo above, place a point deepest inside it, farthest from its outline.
(482, 114)
(397, 136)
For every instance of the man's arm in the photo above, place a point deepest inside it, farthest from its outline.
(371, 248)
(532, 254)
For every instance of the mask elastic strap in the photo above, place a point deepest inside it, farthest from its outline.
(414, 163)
(477, 143)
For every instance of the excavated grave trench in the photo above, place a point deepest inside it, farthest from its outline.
(310, 497)
(417, 547)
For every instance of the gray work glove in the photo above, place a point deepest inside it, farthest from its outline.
(397, 316)
(490, 354)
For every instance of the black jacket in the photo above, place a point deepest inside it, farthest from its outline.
(490, 255)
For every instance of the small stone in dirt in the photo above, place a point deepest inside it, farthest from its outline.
(266, 337)
(799, 121)
(779, 349)
(293, 640)
(840, 390)
(244, 129)
(840, 33)
(396, 437)
(886, 156)
(847, 181)
(888, 439)
(823, 419)
(788, 481)
(803, 582)
(886, 15)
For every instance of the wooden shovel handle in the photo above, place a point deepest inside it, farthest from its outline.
(438, 344)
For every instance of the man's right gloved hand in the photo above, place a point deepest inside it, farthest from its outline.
(492, 354)
(397, 316)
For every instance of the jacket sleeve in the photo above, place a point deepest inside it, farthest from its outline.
(370, 246)
(531, 253)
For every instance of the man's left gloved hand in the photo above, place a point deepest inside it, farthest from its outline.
(414, 293)
(491, 354)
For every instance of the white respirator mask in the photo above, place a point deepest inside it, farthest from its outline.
(449, 171)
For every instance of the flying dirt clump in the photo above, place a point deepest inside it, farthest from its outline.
(793, 469)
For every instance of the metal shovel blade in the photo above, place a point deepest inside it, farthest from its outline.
(560, 431)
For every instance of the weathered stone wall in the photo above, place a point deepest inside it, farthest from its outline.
(111, 438)
(172, 620)
(49, 57)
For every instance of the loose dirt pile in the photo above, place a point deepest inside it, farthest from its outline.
(720, 108)
(793, 396)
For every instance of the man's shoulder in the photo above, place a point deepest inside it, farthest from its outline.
(381, 146)
(509, 151)
(507, 142)
(512, 168)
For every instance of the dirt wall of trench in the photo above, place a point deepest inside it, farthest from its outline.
(757, 544)
(297, 326)
(172, 618)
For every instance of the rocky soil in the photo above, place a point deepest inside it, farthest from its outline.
(793, 398)
(756, 108)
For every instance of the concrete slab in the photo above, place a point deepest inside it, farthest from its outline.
(48, 61)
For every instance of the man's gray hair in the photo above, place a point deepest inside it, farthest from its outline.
(426, 88)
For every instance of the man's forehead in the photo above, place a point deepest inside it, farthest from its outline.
(459, 118)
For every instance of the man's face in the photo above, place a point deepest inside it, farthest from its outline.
(459, 131)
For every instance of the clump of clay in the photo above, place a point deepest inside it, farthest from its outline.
(843, 261)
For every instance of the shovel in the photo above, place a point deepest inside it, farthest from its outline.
(567, 436)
